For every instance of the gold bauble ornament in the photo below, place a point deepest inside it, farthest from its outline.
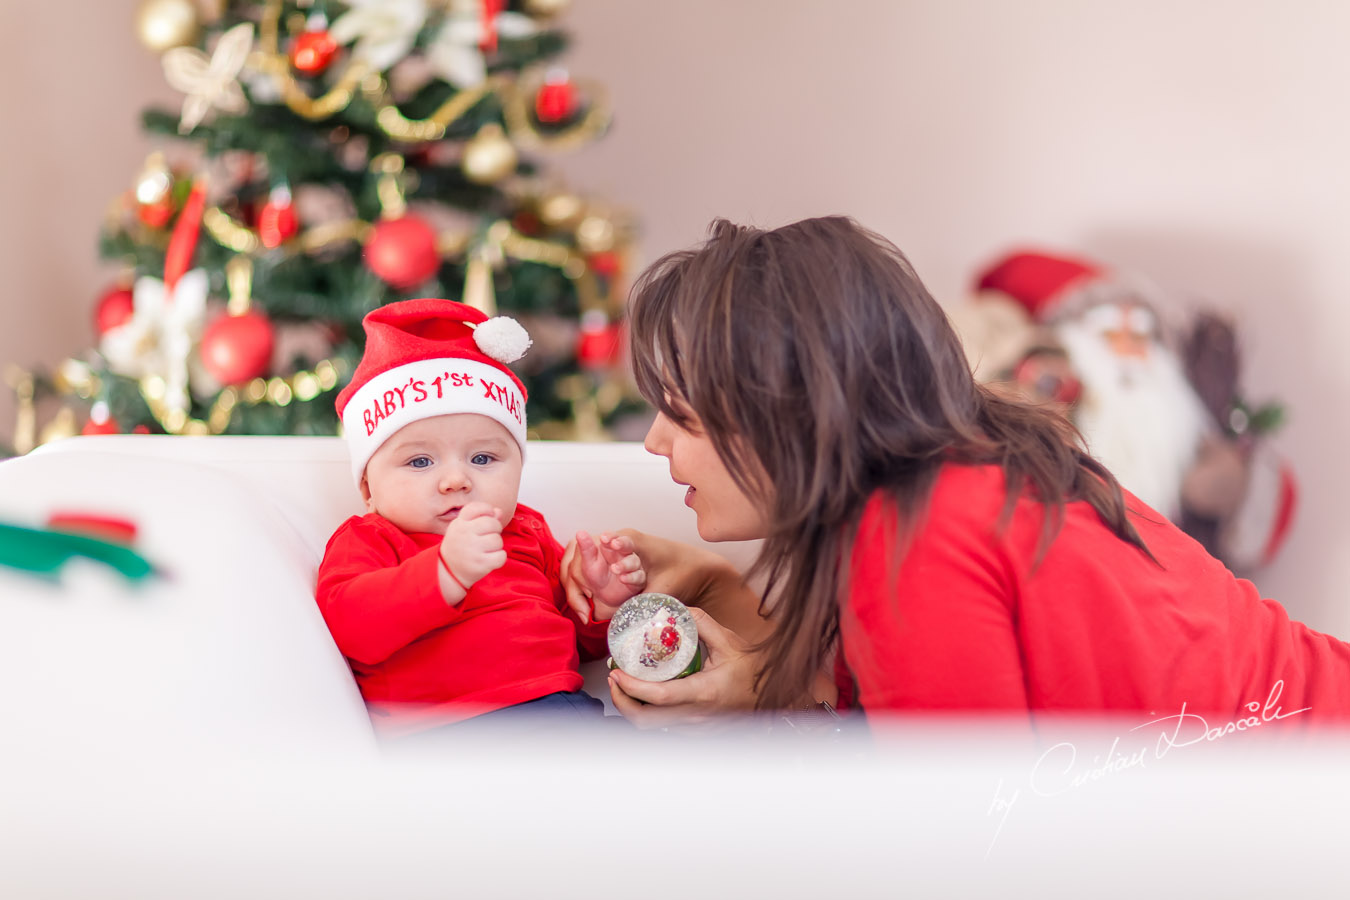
(164, 24)
(547, 9)
(489, 156)
(595, 234)
(560, 210)
(155, 180)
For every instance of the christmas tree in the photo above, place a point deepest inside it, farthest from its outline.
(328, 158)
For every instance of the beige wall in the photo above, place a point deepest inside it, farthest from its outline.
(74, 80)
(1205, 143)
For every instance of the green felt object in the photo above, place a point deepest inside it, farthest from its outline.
(43, 552)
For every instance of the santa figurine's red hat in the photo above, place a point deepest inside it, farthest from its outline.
(1040, 282)
(427, 358)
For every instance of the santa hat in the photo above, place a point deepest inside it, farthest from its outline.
(427, 358)
(1041, 283)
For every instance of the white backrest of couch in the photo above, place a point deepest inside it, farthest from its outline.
(592, 486)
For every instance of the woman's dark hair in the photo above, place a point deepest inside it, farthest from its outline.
(822, 371)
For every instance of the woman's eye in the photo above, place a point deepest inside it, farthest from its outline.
(420, 462)
(480, 459)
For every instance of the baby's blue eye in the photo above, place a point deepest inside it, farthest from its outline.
(481, 459)
(420, 462)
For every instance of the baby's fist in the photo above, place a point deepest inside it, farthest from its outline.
(472, 546)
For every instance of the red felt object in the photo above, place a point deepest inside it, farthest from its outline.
(96, 525)
(490, 10)
(183, 241)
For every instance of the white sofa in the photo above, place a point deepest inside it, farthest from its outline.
(229, 640)
(199, 736)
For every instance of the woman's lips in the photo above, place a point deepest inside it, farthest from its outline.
(689, 497)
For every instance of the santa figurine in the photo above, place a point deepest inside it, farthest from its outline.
(1092, 342)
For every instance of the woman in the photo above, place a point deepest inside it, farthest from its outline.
(936, 547)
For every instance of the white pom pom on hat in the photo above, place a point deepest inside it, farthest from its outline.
(502, 338)
(431, 357)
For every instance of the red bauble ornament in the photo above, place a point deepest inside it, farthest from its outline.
(601, 341)
(277, 222)
(312, 51)
(236, 349)
(107, 426)
(156, 214)
(556, 100)
(114, 308)
(100, 422)
(606, 263)
(402, 251)
(527, 223)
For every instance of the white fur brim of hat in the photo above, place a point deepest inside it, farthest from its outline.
(426, 388)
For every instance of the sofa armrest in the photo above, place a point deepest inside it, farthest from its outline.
(227, 644)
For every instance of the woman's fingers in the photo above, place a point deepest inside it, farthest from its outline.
(641, 706)
(574, 583)
(717, 638)
(659, 693)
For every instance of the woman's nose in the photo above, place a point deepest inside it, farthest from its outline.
(658, 436)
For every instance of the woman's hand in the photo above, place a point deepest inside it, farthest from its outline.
(724, 684)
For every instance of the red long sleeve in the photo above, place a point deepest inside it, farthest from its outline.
(968, 623)
(376, 599)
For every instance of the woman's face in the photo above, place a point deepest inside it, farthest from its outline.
(724, 512)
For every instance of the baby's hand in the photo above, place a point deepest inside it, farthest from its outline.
(472, 546)
(610, 571)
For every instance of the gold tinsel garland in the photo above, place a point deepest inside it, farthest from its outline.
(76, 379)
(517, 96)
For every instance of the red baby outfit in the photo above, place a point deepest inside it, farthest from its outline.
(968, 622)
(420, 662)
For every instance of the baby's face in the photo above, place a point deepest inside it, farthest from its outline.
(430, 469)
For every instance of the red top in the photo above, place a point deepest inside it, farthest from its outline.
(968, 623)
(419, 661)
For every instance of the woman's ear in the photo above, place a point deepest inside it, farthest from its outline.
(365, 495)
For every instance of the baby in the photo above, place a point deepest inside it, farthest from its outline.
(447, 597)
